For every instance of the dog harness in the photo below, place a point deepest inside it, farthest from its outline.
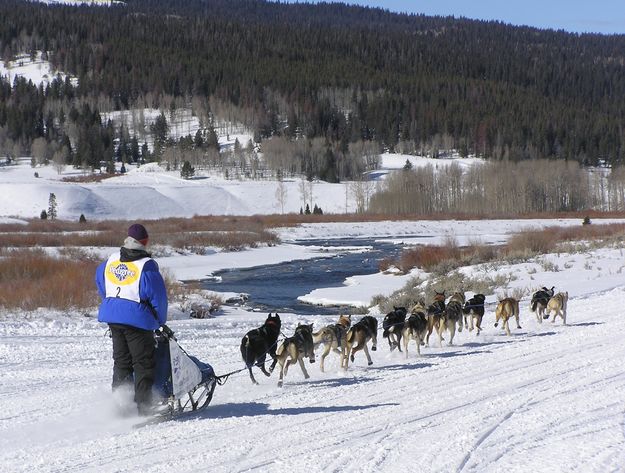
(122, 278)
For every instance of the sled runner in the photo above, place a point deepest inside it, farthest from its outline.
(182, 383)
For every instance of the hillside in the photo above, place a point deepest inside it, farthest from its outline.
(344, 74)
(150, 192)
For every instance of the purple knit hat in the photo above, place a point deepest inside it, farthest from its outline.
(139, 233)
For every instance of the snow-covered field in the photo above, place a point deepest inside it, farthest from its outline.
(549, 398)
(37, 70)
(150, 192)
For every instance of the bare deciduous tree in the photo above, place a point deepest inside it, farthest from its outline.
(281, 195)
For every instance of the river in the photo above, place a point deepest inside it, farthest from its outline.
(275, 288)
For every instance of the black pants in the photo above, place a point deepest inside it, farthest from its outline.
(133, 356)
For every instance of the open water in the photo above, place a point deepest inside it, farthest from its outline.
(275, 288)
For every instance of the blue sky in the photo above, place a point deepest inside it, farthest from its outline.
(581, 16)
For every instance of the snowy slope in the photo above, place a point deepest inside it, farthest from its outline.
(125, 196)
(149, 192)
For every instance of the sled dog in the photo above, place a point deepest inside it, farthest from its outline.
(506, 309)
(333, 338)
(416, 327)
(435, 312)
(557, 305)
(259, 342)
(392, 325)
(452, 317)
(539, 302)
(294, 349)
(474, 312)
(357, 337)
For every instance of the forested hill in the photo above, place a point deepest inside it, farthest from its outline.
(341, 72)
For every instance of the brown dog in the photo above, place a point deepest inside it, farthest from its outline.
(297, 347)
(507, 308)
(415, 327)
(557, 305)
(334, 338)
(357, 337)
(435, 312)
(452, 317)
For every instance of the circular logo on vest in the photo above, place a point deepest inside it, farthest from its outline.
(122, 274)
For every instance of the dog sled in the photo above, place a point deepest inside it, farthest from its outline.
(182, 383)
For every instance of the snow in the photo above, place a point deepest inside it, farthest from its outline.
(548, 398)
(393, 161)
(125, 196)
(398, 161)
(37, 70)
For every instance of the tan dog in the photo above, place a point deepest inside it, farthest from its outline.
(415, 327)
(557, 304)
(507, 308)
(333, 337)
(297, 347)
(357, 337)
(452, 317)
(435, 313)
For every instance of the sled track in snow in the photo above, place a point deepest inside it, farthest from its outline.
(547, 397)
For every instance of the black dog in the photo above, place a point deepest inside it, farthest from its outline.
(257, 343)
(393, 325)
(474, 309)
(539, 301)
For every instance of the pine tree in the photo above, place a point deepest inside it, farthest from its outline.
(52, 206)
(43, 215)
(187, 171)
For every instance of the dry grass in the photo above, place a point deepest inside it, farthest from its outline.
(230, 233)
(30, 279)
(522, 246)
(87, 178)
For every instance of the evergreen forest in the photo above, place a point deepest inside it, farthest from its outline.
(343, 77)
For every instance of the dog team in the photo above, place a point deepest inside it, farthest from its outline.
(398, 325)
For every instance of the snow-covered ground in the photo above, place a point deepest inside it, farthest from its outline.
(549, 398)
(37, 70)
(181, 122)
(150, 192)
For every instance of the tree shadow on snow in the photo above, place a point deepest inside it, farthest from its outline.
(586, 324)
(249, 409)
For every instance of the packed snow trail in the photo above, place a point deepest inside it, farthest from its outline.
(548, 398)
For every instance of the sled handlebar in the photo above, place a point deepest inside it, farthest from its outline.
(169, 333)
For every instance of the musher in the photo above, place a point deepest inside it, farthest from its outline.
(134, 305)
